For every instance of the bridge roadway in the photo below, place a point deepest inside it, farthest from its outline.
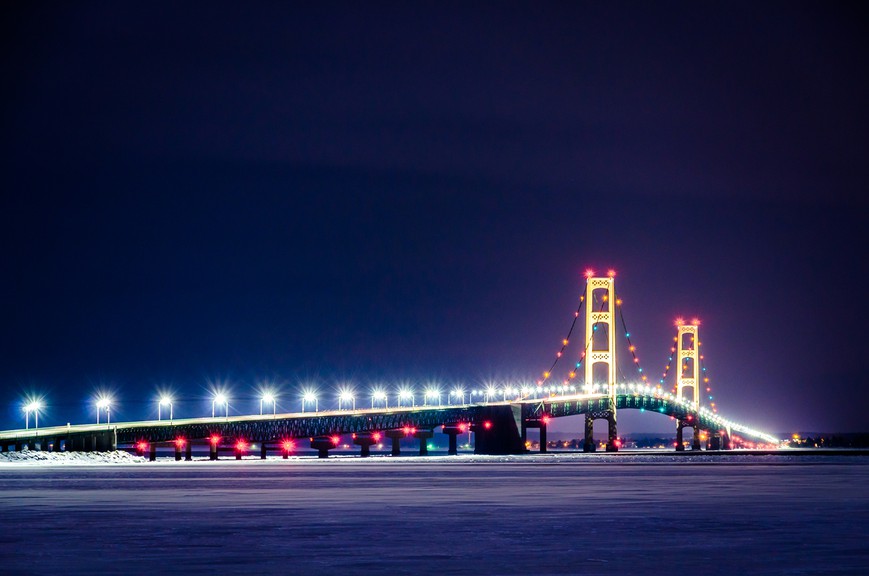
(500, 427)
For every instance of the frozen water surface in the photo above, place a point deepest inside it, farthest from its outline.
(534, 514)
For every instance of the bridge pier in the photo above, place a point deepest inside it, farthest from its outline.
(262, 450)
(612, 444)
(423, 436)
(212, 448)
(152, 456)
(188, 451)
(178, 450)
(452, 431)
(364, 440)
(496, 430)
(396, 436)
(322, 444)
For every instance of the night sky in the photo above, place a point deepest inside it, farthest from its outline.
(220, 193)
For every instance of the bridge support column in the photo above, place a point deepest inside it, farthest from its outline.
(322, 444)
(212, 450)
(57, 442)
(727, 441)
(695, 443)
(588, 444)
(496, 430)
(188, 451)
(364, 440)
(544, 441)
(680, 446)
(423, 436)
(396, 436)
(262, 450)
(153, 452)
(714, 442)
(612, 444)
(178, 451)
(452, 431)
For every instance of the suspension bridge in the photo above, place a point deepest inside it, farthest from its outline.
(498, 426)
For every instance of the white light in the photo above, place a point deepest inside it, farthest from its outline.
(165, 400)
(268, 397)
(220, 398)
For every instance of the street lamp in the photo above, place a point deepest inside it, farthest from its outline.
(268, 397)
(432, 393)
(220, 398)
(164, 401)
(346, 396)
(405, 394)
(310, 396)
(459, 392)
(33, 406)
(490, 391)
(377, 395)
(104, 403)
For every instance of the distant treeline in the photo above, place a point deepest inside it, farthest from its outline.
(832, 441)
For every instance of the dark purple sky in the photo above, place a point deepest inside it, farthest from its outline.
(411, 192)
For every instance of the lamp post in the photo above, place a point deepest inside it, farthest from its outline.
(33, 406)
(310, 396)
(104, 403)
(165, 401)
(432, 393)
(268, 397)
(220, 398)
(405, 394)
(379, 395)
(346, 396)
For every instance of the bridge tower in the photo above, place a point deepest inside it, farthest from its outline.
(687, 348)
(600, 313)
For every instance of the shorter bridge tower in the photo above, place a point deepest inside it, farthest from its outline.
(687, 349)
(600, 302)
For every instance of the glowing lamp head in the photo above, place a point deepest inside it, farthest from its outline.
(589, 273)
(379, 394)
(309, 396)
(377, 436)
(546, 419)
(405, 394)
(345, 396)
(220, 398)
(463, 427)
(103, 402)
(180, 442)
(335, 439)
(240, 445)
(679, 321)
(487, 425)
(611, 273)
(142, 446)
(491, 391)
(268, 397)
(287, 445)
(214, 439)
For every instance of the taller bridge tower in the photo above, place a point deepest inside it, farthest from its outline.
(600, 314)
(688, 375)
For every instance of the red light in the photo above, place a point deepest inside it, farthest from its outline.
(406, 430)
(617, 442)
(215, 440)
(413, 430)
(463, 427)
(487, 424)
(545, 419)
(179, 442)
(611, 273)
(376, 436)
(335, 439)
(287, 445)
(142, 446)
(240, 445)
